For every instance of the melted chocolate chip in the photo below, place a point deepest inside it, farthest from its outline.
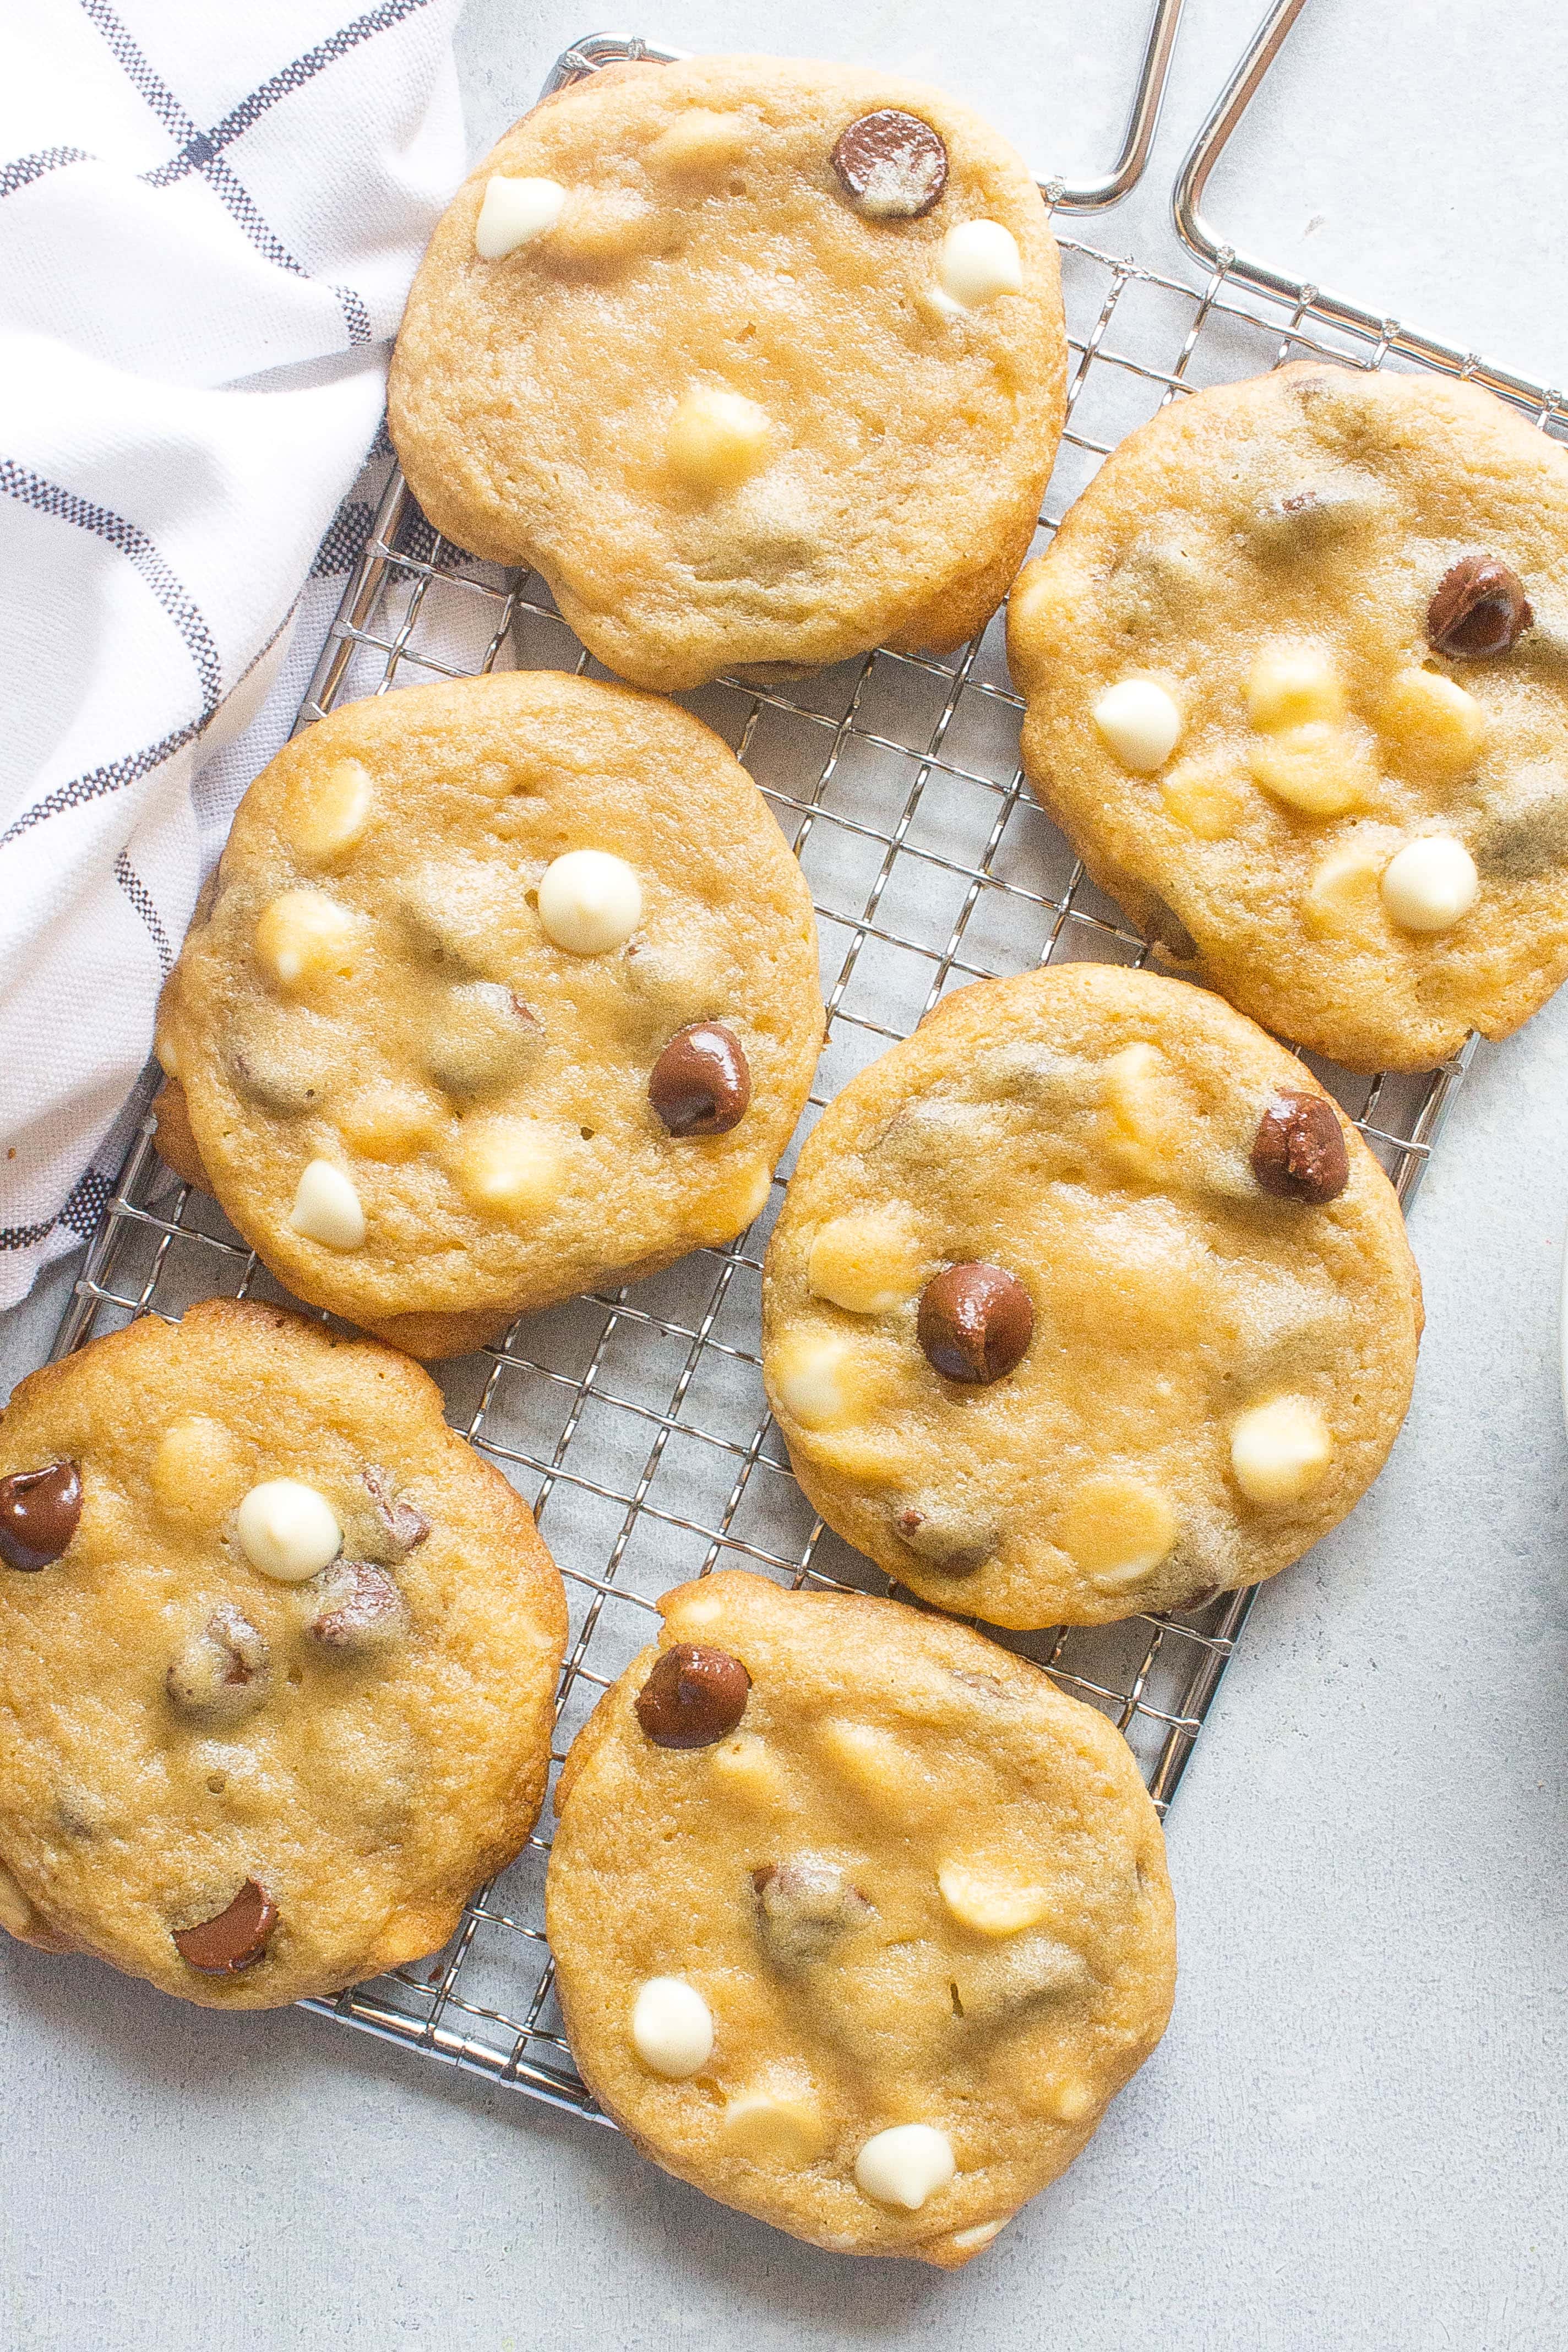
(891, 165)
(404, 1522)
(805, 1907)
(701, 1083)
(223, 1671)
(944, 1538)
(358, 1607)
(1480, 609)
(1300, 1152)
(693, 1697)
(975, 1322)
(40, 1511)
(236, 1939)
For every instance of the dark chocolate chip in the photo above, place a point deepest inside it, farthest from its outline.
(693, 1697)
(1300, 1152)
(701, 1083)
(404, 1522)
(975, 1322)
(1480, 609)
(236, 1939)
(892, 166)
(40, 1510)
(358, 1607)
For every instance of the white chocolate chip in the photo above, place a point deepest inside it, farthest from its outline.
(1140, 722)
(1071, 2101)
(303, 937)
(1319, 767)
(327, 815)
(16, 1911)
(989, 1901)
(811, 1375)
(979, 260)
(905, 2166)
(589, 902)
(327, 1209)
(717, 439)
(1430, 883)
(287, 1531)
(168, 1059)
(507, 1167)
(1117, 1530)
(867, 1264)
(1343, 900)
(514, 213)
(700, 143)
(1289, 684)
(1436, 729)
(775, 2128)
(673, 2027)
(1280, 1450)
(969, 2241)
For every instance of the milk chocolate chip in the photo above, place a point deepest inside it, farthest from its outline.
(358, 1607)
(1299, 1154)
(1480, 610)
(947, 1539)
(701, 1083)
(693, 1697)
(223, 1671)
(975, 1322)
(236, 1939)
(404, 1522)
(805, 1907)
(892, 165)
(39, 1514)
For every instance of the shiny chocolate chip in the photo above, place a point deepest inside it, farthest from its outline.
(693, 1696)
(40, 1510)
(805, 1905)
(975, 1322)
(358, 1607)
(1300, 1152)
(236, 1938)
(405, 1523)
(223, 1671)
(892, 166)
(701, 1083)
(1480, 609)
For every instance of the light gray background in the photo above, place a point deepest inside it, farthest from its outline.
(1352, 2133)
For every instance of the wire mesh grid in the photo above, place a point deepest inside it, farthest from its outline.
(634, 1420)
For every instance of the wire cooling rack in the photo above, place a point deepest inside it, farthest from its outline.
(634, 1419)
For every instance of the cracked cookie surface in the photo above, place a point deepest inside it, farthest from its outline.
(869, 1956)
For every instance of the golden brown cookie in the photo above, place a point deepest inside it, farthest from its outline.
(759, 362)
(1297, 677)
(1085, 1300)
(277, 1659)
(508, 987)
(858, 1922)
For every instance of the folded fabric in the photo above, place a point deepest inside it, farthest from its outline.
(207, 226)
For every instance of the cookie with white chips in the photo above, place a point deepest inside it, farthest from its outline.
(277, 1658)
(506, 987)
(1297, 675)
(1086, 1299)
(760, 363)
(858, 1921)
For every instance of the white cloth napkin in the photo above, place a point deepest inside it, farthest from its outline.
(209, 217)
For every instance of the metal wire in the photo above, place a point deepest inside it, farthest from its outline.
(634, 1419)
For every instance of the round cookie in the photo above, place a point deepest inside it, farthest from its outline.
(277, 1659)
(508, 987)
(1297, 677)
(858, 1922)
(1085, 1300)
(759, 362)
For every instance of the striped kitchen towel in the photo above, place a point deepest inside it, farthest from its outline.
(208, 222)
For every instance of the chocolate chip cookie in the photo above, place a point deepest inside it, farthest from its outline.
(858, 1922)
(278, 1654)
(759, 362)
(1086, 1300)
(506, 988)
(1297, 675)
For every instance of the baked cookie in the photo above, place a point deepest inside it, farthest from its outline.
(277, 1655)
(858, 1922)
(1297, 674)
(1086, 1300)
(757, 361)
(509, 987)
